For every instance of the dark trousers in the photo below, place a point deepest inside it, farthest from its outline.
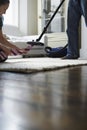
(76, 9)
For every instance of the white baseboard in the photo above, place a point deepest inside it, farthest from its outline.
(56, 39)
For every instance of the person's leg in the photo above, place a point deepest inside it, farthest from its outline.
(73, 19)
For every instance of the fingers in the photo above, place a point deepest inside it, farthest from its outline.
(15, 52)
(3, 56)
(18, 52)
(28, 48)
(24, 50)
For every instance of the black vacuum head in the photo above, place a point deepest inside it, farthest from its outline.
(35, 43)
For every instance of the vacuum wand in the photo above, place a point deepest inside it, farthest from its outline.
(45, 28)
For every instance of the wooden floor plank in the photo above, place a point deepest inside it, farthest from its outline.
(54, 100)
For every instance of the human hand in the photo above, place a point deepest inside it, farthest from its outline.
(18, 51)
(3, 56)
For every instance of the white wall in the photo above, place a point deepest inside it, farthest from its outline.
(28, 17)
(83, 51)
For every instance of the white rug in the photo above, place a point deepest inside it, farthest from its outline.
(31, 65)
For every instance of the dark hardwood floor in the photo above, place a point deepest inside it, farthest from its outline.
(55, 100)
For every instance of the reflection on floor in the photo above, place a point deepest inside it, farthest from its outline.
(55, 100)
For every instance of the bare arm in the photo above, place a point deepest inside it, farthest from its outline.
(5, 42)
(8, 47)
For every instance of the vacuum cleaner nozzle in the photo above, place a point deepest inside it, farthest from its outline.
(35, 43)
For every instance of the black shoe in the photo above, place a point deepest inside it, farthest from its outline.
(69, 57)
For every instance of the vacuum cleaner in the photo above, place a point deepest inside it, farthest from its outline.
(50, 52)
